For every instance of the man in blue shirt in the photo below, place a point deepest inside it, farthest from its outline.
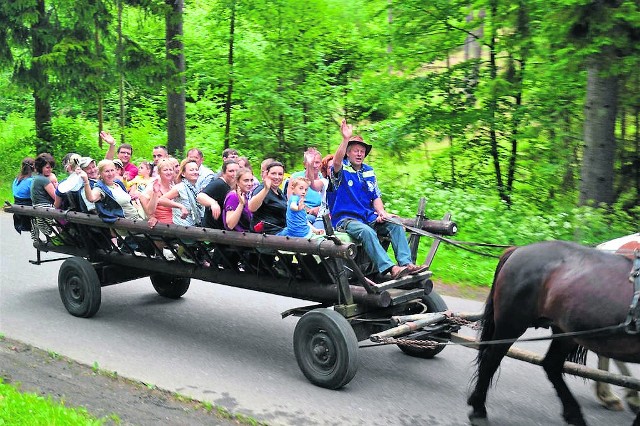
(359, 211)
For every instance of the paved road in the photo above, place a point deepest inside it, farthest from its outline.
(230, 347)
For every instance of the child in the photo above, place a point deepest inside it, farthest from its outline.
(138, 184)
(297, 224)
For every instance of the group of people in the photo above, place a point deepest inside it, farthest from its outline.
(188, 193)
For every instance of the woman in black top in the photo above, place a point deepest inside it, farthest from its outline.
(268, 203)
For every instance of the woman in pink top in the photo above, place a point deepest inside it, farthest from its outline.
(160, 186)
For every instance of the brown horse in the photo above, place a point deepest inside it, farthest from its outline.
(564, 286)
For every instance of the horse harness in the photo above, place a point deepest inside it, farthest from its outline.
(632, 323)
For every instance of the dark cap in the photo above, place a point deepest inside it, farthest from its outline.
(357, 139)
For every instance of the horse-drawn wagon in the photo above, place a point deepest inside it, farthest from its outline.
(351, 303)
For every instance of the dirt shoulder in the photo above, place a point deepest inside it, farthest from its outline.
(120, 401)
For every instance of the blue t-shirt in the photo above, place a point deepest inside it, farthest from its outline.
(297, 225)
(22, 189)
(355, 191)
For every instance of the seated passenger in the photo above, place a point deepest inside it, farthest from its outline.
(78, 196)
(268, 203)
(236, 215)
(70, 182)
(213, 195)
(182, 197)
(205, 174)
(297, 223)
(21, 189)
(138, 184)
(152, 193)
(128, 171)
(314, 197)
(111, 199)
(359, 211)
(43, 193)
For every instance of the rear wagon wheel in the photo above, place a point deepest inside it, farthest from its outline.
(170, 286)
(79, 287)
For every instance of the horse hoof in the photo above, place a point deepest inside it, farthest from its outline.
(634, 404)
(612, 404)
(476, 420)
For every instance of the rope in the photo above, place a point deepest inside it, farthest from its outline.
(431, 344)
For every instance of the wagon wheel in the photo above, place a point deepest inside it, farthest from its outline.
(79, 287)
(326, 348)
(434, 303)
(170, 286)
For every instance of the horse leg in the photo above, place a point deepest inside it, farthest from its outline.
(553, 364)
(488, 363)
(607, 398)
(631, 396)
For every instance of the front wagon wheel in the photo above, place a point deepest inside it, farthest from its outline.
(434, 303)
(326, 348)
(79, 287)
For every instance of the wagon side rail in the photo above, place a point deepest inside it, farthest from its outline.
(320, 270)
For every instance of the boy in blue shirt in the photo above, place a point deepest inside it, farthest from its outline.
(297, 224)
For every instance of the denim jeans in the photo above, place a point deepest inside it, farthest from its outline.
(367, 235)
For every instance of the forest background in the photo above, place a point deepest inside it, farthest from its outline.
(520, 118)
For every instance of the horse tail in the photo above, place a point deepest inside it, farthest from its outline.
(488, 321)
(578, 355)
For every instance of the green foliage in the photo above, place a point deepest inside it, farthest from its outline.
(16, 142)
(447, 119)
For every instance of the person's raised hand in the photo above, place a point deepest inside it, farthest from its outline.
(241, 198)
(106, 136)
(81, 173)
(346, 129)
(267, 182)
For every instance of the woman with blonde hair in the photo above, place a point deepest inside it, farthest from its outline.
(182, 196)
(236, 215)
(109, 194)
(161, 185)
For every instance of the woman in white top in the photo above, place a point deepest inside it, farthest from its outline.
(109, 193)
(182, 197)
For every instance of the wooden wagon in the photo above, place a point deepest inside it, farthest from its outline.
(352, 304)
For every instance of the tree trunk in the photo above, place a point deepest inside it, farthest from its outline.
(176, 133)
(228, 103)
(493, 106)
(599, 134)
(120, 66)
(40, 78)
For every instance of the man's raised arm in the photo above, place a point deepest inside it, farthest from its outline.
(347, 132)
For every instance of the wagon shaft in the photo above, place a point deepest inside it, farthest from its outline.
(569, 367)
